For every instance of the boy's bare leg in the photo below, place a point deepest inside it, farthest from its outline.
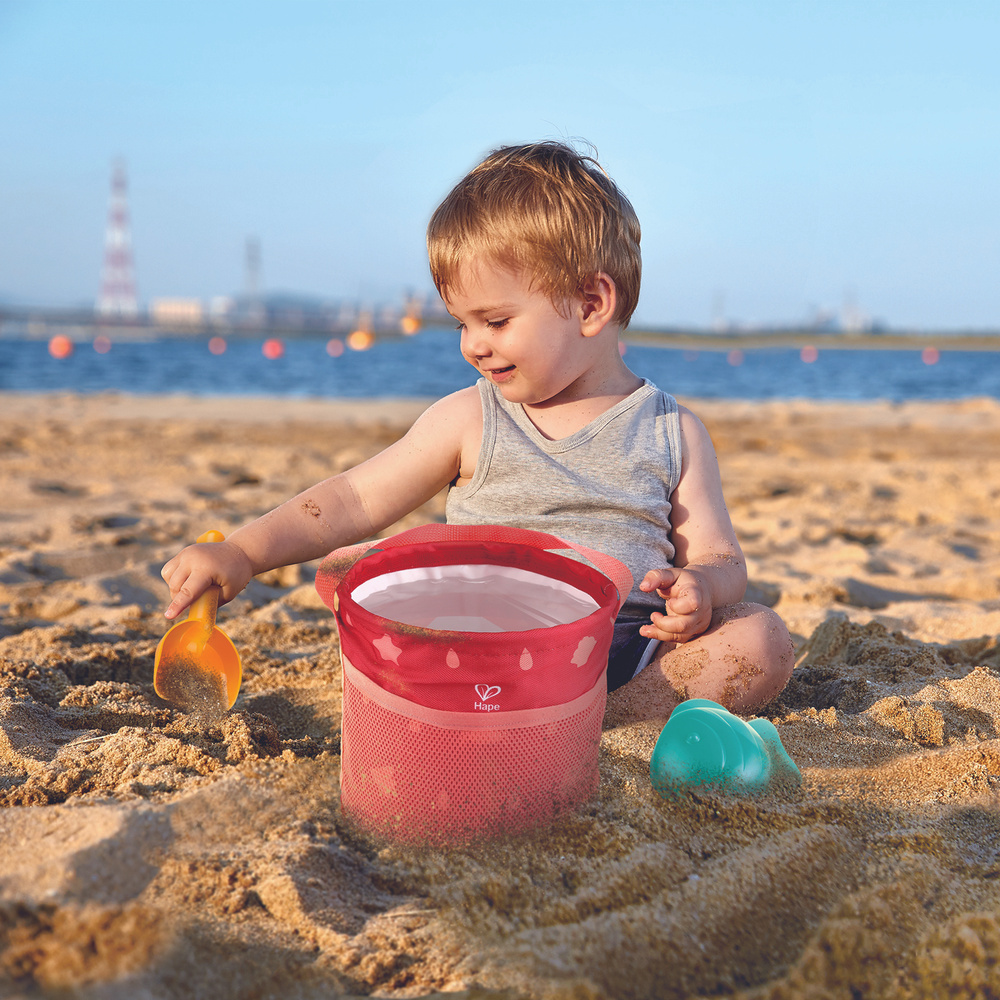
(742, 661)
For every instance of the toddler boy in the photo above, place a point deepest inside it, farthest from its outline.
(536, 255)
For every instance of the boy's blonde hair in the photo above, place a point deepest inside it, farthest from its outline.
(546, 210)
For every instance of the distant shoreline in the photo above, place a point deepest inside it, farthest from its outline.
(81, 328)
(693, 341)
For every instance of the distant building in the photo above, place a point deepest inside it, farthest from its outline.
(176, 313)
(221, 307)
(118, 297)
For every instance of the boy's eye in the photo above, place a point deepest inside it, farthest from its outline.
(460, 327)
(496, 324)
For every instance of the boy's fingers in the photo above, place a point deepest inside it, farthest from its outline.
(176, 606)
(666, 626)
(652, 632)
(676, 627)
(180, 601)
(686, 603)
(184, 593)
(658, 579)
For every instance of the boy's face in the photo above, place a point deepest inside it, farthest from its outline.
(515, 336)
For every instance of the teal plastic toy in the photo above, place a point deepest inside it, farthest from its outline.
(704, 745)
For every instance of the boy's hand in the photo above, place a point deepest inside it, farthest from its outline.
(688, 600)
(194, 569)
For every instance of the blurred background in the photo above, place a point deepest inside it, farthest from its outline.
(823, 167)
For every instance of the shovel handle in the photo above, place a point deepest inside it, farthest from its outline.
(205, 608)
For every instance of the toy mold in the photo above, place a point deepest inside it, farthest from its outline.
(705, 746)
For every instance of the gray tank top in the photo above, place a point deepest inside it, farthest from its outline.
(607, 486)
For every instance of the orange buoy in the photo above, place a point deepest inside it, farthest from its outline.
(273, 349)
(60, 346)
(360, 340)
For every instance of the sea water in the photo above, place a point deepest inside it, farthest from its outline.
(430, 365)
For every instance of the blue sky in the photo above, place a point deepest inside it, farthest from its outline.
(783, 157)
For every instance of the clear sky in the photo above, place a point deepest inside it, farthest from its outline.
(783, 157)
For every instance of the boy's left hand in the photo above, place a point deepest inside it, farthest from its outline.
(688, 600)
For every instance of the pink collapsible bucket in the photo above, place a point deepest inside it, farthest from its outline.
(474, 662)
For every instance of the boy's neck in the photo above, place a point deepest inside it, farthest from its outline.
(584, 402)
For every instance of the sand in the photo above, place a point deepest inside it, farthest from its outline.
(147, 852)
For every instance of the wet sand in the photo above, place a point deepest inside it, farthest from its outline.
(148, 852)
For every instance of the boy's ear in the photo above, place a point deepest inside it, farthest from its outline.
(598, 299)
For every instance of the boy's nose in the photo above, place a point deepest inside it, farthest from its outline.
(475, 344)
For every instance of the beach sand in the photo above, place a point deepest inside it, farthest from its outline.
(148, 853)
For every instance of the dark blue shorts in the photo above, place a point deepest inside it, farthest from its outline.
(630, 651)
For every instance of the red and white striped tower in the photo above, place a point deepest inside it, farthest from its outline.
(118, 299)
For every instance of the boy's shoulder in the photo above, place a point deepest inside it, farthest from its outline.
(452, 416)
(688, 416)
(463, 403)
(453, 425)
(697, 449)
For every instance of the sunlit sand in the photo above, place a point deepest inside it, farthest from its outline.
(150, 851)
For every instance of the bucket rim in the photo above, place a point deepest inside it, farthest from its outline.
(380, 561)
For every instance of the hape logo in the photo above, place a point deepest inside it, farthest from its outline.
(485, 692)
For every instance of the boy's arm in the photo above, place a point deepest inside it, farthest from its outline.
(709, 570)
(339, 511)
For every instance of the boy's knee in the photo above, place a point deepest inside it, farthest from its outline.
(778, 648)
(766, 639)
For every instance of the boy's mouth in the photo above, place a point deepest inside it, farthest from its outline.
(500, 374)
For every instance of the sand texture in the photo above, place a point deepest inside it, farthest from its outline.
(152, 853)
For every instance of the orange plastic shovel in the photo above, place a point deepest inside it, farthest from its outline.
(197, 667)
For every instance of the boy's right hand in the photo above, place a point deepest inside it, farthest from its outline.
(688, 604)
(194, 569)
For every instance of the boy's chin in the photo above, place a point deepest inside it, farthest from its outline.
(514, 392)
(512, 388)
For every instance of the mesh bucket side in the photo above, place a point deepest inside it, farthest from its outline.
(445, 777)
